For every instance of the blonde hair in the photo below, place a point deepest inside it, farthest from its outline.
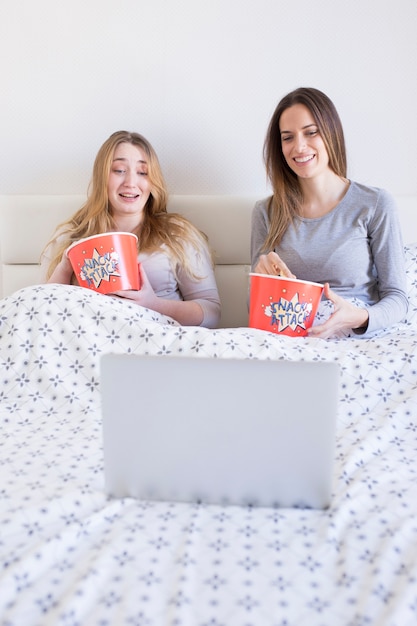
(284, 205)
(158, 227)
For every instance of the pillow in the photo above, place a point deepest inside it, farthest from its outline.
(411, 274)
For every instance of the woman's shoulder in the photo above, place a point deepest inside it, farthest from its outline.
(263, 203)
(261, 206)
(373, 194)
(375, 202)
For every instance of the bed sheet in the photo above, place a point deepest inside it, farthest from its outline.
(70, 556)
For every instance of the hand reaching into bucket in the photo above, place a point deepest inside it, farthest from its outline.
(272, 263)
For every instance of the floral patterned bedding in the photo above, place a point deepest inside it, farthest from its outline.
(70, 556)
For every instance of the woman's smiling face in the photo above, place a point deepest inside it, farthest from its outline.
(128, 186)
(302, 145)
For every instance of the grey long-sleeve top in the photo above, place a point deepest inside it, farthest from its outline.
(357, 248)
(158, 268)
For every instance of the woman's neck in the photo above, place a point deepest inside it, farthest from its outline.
(322, 195)
(127, 223)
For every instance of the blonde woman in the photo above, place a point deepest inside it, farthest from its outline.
(128, 193)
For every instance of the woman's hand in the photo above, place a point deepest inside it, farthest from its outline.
(346, 316)
(272, 264)
(188, 313)
(145, 296)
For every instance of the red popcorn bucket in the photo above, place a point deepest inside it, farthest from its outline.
(106, 262)
(284, 306)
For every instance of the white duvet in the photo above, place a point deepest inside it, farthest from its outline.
(70, 556)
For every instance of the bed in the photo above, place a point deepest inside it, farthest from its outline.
(71, 556)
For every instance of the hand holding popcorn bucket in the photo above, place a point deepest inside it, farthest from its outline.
(281, 305)
(106, 262)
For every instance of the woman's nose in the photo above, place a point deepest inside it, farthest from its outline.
(130, 178)
(300, 142)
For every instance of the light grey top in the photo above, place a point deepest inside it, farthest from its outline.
(158, 268)
(357, 248)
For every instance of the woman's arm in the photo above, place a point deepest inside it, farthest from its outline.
(387, 249)
(387, 262)
(259, 232)
(195, 302)
(187, 313)
(62, 273)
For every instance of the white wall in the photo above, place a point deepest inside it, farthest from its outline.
(200, 79)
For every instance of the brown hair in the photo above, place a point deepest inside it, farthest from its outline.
(284, 205)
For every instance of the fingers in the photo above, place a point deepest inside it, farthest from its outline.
(143, 276)
(65, 262)
(345, 317)
(320, 332)
(272, 264)
(286, 272)
(331, 295)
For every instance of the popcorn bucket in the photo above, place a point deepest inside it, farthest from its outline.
(106, 262)
(284, 306)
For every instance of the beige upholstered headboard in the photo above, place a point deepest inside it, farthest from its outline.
(28, 221)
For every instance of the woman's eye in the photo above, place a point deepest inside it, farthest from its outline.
(143, 173)
(311, 133)
(286, 138)
(119, 171)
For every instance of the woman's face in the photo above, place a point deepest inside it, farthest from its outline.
(128, 186)
(302, 146)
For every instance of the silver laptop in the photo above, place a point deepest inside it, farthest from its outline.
(222, 431)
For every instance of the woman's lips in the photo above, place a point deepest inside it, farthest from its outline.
(304, 159)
